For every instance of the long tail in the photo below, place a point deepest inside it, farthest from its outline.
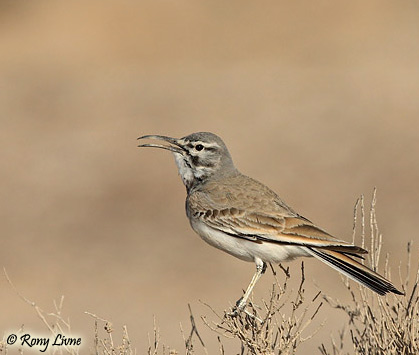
(354, 270)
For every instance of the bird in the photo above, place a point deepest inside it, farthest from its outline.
(241, 216)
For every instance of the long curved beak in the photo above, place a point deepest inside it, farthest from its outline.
(174, 146)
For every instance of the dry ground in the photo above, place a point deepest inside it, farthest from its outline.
(319, 100)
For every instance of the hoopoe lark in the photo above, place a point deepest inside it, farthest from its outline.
(246, 219)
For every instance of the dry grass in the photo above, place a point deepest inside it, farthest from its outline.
(374, 325)
(379, 325)
(275, 327)
(54, 321)
(104, 343)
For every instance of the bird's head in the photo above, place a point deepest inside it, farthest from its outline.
(199, 156)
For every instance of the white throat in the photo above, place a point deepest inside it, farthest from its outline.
(185, 171)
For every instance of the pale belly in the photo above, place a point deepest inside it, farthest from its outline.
(246, 249)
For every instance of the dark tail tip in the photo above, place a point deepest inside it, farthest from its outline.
(396, 291)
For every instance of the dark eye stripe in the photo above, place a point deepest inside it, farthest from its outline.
(196, 161)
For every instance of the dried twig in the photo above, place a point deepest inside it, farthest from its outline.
(379, 325)
(277, 332)
(58, 326)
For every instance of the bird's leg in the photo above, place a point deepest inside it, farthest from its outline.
(260, 270)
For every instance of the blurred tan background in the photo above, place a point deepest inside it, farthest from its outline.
(319, 100)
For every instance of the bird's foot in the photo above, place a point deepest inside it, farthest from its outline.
(237, 309)
(241, 307)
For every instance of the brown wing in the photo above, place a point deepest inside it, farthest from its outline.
(252, 211)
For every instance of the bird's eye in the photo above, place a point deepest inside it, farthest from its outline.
(199, 147)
